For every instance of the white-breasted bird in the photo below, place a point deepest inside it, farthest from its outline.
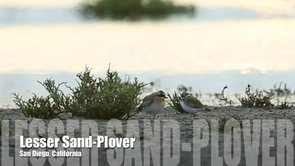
(191, 104)
(153, 103)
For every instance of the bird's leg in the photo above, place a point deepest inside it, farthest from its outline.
(154, 117)
(195, 114)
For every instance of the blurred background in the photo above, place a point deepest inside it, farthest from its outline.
(224, 42)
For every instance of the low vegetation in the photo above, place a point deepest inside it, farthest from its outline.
(255, 98)
(44, 106)
(175, 102)
(277, 97)
(281, 95)
(101, 98)
(105, 98)
(112, 97)
(134, 9)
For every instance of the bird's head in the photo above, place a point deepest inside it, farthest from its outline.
(161, 94)
(184, 94)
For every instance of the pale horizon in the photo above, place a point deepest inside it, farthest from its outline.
(231, 42)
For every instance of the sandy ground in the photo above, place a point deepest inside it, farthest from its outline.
(186, 131)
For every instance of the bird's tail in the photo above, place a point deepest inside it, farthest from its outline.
(206, 108)
(138, 109)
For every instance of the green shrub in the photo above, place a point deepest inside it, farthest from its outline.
(105, 98)
(36, 107)
(175, 103)
(162, 7)
(281, 94)
(255, 99)
(93, 98)
(44, 107)
(133, 9)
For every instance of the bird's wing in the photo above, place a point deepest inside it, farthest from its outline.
(193, 102)
(146, 101)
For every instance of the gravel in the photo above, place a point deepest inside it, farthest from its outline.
(220, 114)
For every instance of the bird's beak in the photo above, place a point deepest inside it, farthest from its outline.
(165, 96)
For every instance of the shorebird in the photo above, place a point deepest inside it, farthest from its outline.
(153, 103)
(191, 104)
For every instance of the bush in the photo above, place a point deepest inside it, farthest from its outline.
(93, 98)
(255, 99)
(36, 107)
(281, 94)
(44, 107)
(118, 9)
(175, 103)
(105, 98)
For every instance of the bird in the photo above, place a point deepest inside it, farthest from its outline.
(153, 103)
(191, 104)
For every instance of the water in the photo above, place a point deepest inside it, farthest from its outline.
(226, 43)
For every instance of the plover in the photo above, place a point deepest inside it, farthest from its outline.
(153, 103)
(191, 104)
